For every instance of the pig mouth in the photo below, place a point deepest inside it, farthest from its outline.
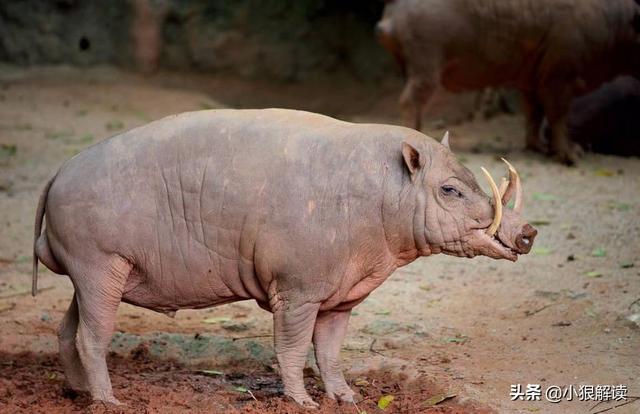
(494, 247)
(489, 240)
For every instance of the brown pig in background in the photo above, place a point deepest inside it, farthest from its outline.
(300, 212)
(550, 50)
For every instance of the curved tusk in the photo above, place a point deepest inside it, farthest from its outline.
(515, 179)
(497, 204)
(503, 187)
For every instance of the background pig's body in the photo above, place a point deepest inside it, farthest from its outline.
(550, 50)
(608, 119)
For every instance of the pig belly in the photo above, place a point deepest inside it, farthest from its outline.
(178, 291)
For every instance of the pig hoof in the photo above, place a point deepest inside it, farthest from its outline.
(567, 158)
(110, 401)
(347, 395)
(304, 400)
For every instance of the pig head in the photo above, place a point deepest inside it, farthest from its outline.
(451, 213)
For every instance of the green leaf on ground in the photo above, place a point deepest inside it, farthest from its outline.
(615, 205)
(605, 172)
(591, 313)
(541, 222)
(361, 382)
(425, 287)
(87, 138)
(438, 398)
(240, 388)
(599, 252)
(24, 259)
(8, 150)
(459, 339)
(593, 273)
(544, 197)
(541, 251)
(210, 372)
(384, 401)
(58, 134)
(114, 125)
(216, 319)
(383, 312)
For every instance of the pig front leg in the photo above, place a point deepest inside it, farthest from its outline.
(293, 330)
(329, 332)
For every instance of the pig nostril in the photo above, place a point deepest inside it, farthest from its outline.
(526, 240)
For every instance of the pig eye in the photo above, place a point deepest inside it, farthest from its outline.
(450, 191)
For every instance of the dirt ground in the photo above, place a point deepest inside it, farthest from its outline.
(562, 315)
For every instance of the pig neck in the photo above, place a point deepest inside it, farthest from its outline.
(403, 219)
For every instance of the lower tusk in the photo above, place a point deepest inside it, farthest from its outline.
(497, 204)
(515, 178)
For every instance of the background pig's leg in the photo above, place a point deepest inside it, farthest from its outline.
(99, 291)
(69, 356)
(329, 332)
(414, 97)
(534, 113)
(556, 107)
(293, 329)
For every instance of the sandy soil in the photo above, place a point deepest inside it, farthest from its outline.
(559, 316)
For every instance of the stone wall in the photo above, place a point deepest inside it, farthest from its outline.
(279, 39)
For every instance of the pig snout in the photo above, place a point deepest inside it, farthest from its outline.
(524, 239)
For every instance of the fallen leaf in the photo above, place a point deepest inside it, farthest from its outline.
(614, 205)
(590, 313)
(210, 372)
(593, 273)
(541, 251)
(7, 307)
(216, 319)
(51, 375)
(627, 265)
(384, 401)
(383, 312)
(240, 388)
(114, 125)
(544, 197)
(438, 398)
(541, 222)
(457, 339)
(599, 252)
(605, 172)
(361, 382)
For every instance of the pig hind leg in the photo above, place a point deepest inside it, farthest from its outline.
(293, 330)
(534, 113)
(556, 102)
(415, 96)
(98, 293)
(73, 370)
(328, 334)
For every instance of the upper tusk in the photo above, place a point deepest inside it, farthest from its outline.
(503, 187)
(497, 204)
(515, 179)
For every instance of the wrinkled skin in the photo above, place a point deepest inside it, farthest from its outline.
(302, 213)
(550, 50)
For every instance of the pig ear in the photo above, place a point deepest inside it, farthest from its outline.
(445, 140)
(412, 158)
